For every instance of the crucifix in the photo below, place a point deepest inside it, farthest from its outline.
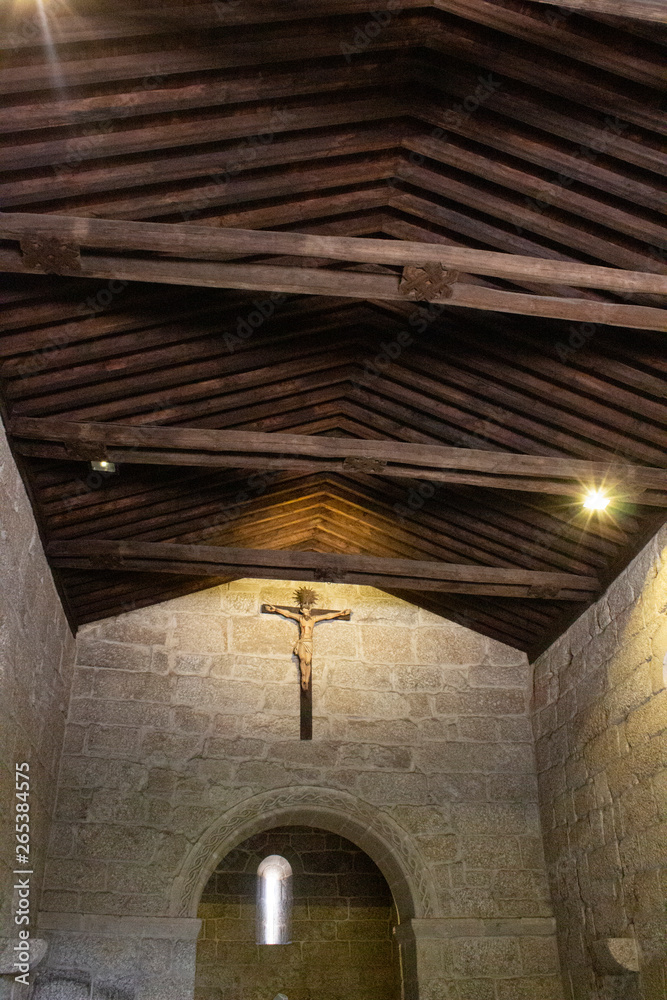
(307, 617)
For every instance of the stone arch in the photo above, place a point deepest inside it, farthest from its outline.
(385, 842)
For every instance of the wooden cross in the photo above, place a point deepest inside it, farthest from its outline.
(307, 617)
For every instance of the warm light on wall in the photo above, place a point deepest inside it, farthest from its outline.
(596, 500)
(108, 467)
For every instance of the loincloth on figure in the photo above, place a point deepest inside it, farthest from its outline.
(303, 649)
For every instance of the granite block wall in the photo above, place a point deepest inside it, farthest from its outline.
(342, 922)
(189, 709)
(36, 666)
(600, 718)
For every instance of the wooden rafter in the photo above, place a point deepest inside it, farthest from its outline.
(643, 10)
(348, 284)
(538, 147)
(203, 242)
(146, 445)
(213, 560)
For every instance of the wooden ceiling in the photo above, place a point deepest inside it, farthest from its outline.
(498, 126)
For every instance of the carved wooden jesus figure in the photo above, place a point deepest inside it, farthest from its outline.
(307, 618)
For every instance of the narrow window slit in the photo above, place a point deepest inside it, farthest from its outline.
(274, 901)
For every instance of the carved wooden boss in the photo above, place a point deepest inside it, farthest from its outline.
(307, 617)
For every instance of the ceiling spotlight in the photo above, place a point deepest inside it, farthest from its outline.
(108, 467)
(596, 500)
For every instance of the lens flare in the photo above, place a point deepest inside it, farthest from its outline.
(596, 500)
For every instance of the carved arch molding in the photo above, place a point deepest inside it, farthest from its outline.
(392, 849)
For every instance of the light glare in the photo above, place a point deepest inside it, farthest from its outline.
(596, 500)
(274, 900)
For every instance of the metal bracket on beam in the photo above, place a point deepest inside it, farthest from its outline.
(50, 254)
(427, 283)
(364, 464)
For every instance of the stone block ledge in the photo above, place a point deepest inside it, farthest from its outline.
(174, 928)
(461, 927)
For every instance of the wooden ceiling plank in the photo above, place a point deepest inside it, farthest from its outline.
(94, 355)
(234, 89)
(485, 232)
(226, 159)
(611, 138)
(281, 45)
(188, 202)
(460, 38)
(66, 153)
(548, 152)
(550, 524)
(548, 377)
(215, 516)
(212, 378)
(236, 411)
(643, 10)
(300, 209)
(643, 227)
(580, 415)
(55, 299)
(538, 68)
(180, 344)
(603, 244)
(132, 21)
(448, 412)
(580, 434)
(558, 34)
(528, 350)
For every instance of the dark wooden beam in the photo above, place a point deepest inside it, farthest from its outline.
(212, 560)
(182, 240)
(146, 445)
(642, 10)
(347, 284)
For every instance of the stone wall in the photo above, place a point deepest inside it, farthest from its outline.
(600, 720)
(36, 663)
(342, 921)
(188, 710)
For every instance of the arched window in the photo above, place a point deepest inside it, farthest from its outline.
(274, 901)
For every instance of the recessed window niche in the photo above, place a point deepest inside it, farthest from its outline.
(341, 943)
